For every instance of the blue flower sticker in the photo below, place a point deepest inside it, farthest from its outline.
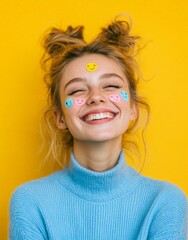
(69, 103)
(124, 95)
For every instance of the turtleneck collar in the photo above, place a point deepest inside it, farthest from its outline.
(100, 186)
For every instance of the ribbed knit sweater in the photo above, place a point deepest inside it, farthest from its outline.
(80, 204)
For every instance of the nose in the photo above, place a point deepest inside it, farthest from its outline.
(96, 98)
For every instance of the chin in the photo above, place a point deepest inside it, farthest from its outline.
(100, 138)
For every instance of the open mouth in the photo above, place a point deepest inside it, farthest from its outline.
(98, 116)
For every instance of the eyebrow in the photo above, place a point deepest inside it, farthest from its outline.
(74, 80)
(111, 75)
(103, 76)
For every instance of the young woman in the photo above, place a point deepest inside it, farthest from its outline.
(94, 109)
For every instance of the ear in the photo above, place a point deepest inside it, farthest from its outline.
(134, 112)
(59, 119)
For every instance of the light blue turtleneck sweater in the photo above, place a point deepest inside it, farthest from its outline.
(79, 204)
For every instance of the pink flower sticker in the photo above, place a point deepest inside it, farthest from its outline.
(80, 101)
(114, 98)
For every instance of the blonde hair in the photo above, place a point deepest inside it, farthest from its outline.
(61, 47)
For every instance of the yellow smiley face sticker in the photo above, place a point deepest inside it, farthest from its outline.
(90, 67)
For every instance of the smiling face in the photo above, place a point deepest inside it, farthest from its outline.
(95, 104)
(90, 67)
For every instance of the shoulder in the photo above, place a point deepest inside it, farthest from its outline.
(31, 199)
(164, 195)
(164, 190)
(154, 190)
(33, 191)
(28, 206)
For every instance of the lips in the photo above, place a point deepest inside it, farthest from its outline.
(97, 116)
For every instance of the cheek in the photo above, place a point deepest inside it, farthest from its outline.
(122, 96)
(80, 101)
(70, 102)
(72, 106)
(114, 98)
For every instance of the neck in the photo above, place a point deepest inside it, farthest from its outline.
(97, 156)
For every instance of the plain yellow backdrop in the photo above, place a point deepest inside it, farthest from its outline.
(163, 25)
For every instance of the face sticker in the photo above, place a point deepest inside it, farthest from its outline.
(80, 101)
(91, 67)
(124, 95)
(69, 103)
(114, 98)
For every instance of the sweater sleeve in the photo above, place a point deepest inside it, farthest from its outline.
(170, 220)
(26, 221)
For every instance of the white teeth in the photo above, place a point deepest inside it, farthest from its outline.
(98, 116)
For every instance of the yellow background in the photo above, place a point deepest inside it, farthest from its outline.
(162, 24)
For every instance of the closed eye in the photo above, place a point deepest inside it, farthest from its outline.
(112, 86)
(75, 91)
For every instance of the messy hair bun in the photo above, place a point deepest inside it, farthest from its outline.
(118, 34)
(57, 40)
(63, 46)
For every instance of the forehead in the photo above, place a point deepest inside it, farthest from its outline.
(78, 68)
